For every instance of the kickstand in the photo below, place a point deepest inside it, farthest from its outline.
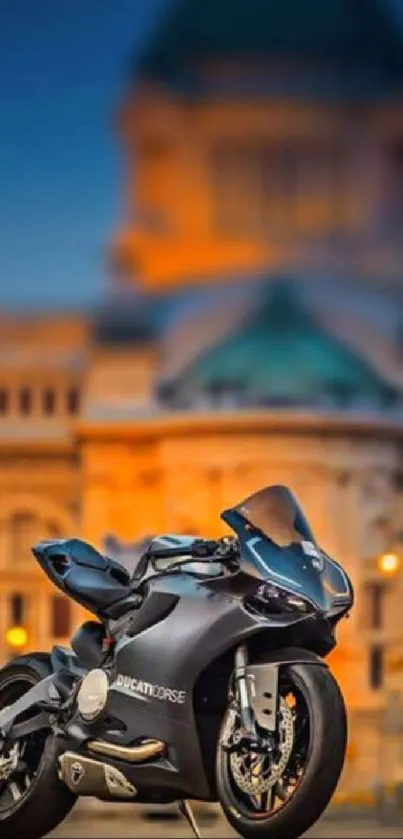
(187, 812)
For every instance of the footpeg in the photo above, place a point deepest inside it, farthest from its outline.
(187, 812)
(85, 776)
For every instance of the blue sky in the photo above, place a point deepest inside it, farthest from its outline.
(63, 67)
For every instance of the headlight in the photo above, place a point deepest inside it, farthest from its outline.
(270, 598)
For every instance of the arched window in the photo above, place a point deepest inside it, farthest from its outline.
(17, 608)
(4, 401)
(25, 400)
(60, 616)
(73, 400)
(22, 529)
(49, 401)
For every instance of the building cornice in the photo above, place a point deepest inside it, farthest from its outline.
(34, 447)
(242, 422)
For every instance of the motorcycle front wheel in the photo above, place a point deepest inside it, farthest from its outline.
(280, 796)
(33, 801)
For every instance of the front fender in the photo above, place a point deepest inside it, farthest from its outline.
(263, 679)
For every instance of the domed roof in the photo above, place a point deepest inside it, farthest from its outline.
(346, 30)
(281, 355)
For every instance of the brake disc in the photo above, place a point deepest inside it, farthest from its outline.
(255, 774)
(9, 762)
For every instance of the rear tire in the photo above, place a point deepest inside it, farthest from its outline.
(47, 801)
(324, 763)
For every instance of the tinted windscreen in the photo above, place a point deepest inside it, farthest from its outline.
(276, 513)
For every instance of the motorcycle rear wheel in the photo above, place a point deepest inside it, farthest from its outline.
(33, 801)
(316, 767)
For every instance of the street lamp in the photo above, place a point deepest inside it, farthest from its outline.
(389, 563)
(16, 637)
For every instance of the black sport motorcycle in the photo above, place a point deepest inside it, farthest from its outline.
(203, 678)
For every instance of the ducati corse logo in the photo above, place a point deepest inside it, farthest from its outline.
(139, 689)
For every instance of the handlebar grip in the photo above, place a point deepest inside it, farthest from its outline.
(168, 553)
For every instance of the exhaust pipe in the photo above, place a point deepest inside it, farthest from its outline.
(146, 750)
(84, 776)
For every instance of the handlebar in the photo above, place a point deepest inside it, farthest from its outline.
(204, 549)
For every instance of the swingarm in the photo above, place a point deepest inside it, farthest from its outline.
(45, 696)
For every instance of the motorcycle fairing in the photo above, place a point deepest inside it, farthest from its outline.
(157, 673)
(337, 586)
(156, 678)
(278, 547)
(161, 670)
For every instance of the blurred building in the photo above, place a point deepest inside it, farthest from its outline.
(254, 334)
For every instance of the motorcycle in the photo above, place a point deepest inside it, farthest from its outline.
(203, 678)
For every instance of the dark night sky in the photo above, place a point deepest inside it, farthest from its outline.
(62, 69)
(63, 66)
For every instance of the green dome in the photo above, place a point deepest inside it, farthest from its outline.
(282, 355)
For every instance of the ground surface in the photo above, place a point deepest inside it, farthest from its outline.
(125, 828)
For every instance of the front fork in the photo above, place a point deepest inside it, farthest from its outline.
(256, 694)
(245, 692)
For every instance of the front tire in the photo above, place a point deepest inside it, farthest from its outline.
(324, 758)
(30, 811)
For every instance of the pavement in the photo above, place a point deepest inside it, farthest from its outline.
(110, 826)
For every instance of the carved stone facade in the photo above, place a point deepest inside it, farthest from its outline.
(39, 490)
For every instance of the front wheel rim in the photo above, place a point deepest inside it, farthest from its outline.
(268, 804)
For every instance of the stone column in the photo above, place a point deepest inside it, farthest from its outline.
(96, 492)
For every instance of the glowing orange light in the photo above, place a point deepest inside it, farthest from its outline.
(16, 637)
(389, 563)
